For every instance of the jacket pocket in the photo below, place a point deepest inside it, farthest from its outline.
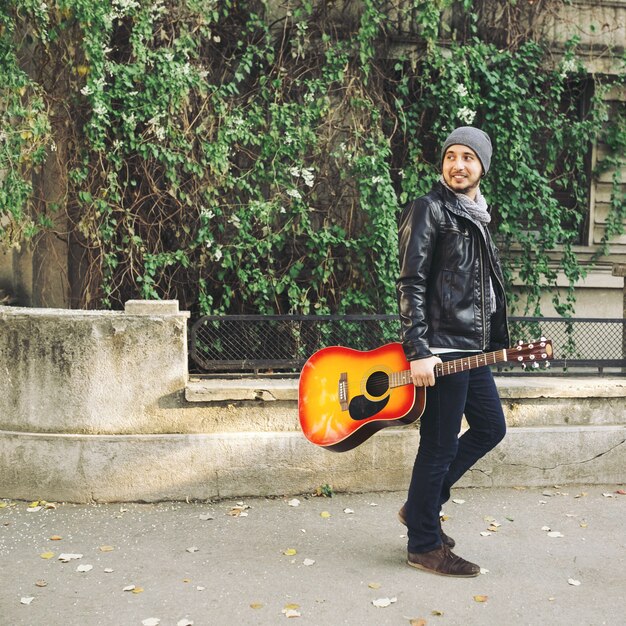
(457, 301)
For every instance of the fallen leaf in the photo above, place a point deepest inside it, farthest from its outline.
(256, 605)
(108, 570)
(200, 588)
(84, 568)
(291, 610)
(485, 533)
(151, 621)
(27, 600)
(484, 570)
(34, 509)
(583, 524)
(436, 612)
(308, 562)
(33, 504)
(546, 528)
(458, 501)
(608, 495)
(55, 538)
(374, 585)
(481, 598)
(419, 621)
(41, 583)
(128, 588)
(184, 622)
(192, 549)
(325, 514)
(3, 505)
(294, 502)
(65, 558)
(555, 533)
(621, 492)
(106, 548)
(137, 590)
(581, 495)
(47, 555)
(382, 603)
(348, 511)
(50, 505)
(574, 582)
(290, 552)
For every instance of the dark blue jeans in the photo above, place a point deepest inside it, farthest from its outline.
(443, 457)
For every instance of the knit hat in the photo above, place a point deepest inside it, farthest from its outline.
(474, 138)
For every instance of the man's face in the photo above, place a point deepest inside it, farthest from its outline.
(462, 169)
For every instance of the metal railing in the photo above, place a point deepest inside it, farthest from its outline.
(282, 343)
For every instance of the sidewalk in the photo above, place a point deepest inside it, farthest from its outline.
(554, 557)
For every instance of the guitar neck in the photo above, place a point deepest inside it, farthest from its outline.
(397, 379)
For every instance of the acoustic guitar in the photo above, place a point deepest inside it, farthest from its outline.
(346, 395)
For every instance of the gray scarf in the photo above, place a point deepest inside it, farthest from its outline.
(478, 213)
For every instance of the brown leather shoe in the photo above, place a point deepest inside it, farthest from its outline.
(447, 540)
(443, 562)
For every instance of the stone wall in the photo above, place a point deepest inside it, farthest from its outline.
(98, 406)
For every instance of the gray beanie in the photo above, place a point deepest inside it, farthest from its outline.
(474, 138)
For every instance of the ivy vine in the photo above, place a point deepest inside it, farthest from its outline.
(253, 156)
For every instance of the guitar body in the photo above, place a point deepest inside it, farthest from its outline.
(344, 395)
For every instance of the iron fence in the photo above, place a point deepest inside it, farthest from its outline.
(282, 343)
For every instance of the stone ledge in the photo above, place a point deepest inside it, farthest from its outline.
(227, 390)
(271, 389)
(103, 468)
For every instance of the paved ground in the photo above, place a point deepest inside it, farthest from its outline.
(324, 561)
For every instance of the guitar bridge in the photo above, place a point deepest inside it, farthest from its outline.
(343, 391)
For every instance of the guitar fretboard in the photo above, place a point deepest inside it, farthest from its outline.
(397, 379)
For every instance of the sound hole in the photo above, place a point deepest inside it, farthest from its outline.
(377, 384)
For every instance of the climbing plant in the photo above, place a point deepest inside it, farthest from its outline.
(253, 155)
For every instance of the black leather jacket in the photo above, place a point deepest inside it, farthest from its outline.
(443, 288)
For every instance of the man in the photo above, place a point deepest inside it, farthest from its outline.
(451, 300)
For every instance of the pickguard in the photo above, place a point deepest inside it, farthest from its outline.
(362, 408)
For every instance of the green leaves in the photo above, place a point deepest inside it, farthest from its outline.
(248, 159)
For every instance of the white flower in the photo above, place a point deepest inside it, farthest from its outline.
(568, 67)
(466, 115)
(308, 176)
(376, 180)
(99, 109)
(86, 90)
(294, 193)
(235, 221)
(294, 171)
(461, 89)
(218, 255)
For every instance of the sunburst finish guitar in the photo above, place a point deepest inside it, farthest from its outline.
(347, 395)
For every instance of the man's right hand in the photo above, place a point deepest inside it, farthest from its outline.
(423, 371)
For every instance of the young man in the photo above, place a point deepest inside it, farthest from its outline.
(451, 300)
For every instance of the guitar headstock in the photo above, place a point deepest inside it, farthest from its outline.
(533, 352)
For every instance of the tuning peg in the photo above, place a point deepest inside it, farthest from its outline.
(520, 342)
(543, 339)
(524, 366)
(535, 365)
(546, 364)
